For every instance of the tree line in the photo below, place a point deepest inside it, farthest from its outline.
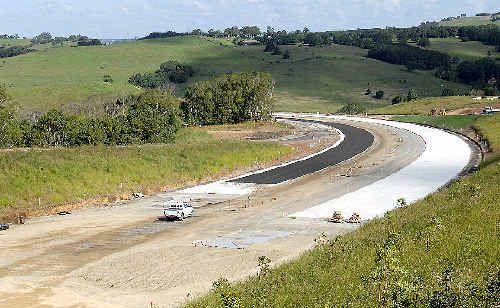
(411, 57)
(151, 117)
(78, 39)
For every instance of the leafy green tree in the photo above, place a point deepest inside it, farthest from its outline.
(51, 130)
(153, 117)
(11, 134)
(42, 38)
(412, 95)
(379, 94)
(232, 98)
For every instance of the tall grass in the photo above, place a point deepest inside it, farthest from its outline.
(33, 178)
(442, 251)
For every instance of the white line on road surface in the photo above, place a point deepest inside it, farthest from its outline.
(444, 157)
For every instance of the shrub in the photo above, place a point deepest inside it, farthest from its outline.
(398, 99)
(107, 78)
(170, 71)
(412, 95)
(352, 108)
(379, 94)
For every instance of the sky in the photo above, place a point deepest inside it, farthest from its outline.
(109, 19)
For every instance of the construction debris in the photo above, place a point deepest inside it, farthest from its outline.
(21, 219)
(354, 219)
(137, 195)
(336, 217)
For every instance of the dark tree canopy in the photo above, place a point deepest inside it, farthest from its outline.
(412, 57)
(170, 71)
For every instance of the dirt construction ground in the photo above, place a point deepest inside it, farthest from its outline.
(123, 256)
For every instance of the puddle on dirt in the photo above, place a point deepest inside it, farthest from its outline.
(242, 239)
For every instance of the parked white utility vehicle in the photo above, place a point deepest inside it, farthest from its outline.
(178, 210)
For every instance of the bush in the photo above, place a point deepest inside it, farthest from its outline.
(13, 51)
(107, 78)
(379, 94)
(412, 95)
(170, 71)
(398, 99)
(89, 42)
(352, 108)
(233, 98)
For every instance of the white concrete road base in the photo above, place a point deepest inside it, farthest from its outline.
(444, 157)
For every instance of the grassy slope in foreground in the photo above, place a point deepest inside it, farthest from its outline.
(60, 176)
(425, 105)
(313, 79)
(443, 248)
(487, 125)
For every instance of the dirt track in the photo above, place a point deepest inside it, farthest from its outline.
(122, 257)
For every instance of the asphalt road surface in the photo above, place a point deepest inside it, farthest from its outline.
(356, 141)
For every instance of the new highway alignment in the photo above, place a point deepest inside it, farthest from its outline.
(356, 141)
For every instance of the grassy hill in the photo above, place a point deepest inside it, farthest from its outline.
(14, 42)
(469, 21)
(314, 79)
(439, 252)
(471, 50)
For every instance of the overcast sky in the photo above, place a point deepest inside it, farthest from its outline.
(130, 18)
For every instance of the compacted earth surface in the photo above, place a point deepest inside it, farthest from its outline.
(123, 255)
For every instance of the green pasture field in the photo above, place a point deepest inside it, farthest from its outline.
(313, 79)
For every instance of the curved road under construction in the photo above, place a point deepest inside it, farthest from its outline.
(356, 141)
